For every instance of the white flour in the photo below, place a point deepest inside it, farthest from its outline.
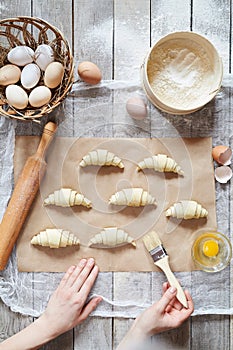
(181, 76)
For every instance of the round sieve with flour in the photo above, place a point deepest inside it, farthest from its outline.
(182, 72)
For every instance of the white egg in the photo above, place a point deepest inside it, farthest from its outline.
(43, 56)
(30, 76)
(20, 55)
(9, 74)
(40, 96)
(16, 96)
(136, 108)
(53, 74)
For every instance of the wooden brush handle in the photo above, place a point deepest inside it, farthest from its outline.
(23, 195)
(163, 264)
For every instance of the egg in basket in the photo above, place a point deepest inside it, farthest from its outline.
(36, 68)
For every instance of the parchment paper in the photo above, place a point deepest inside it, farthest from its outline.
(99, 183)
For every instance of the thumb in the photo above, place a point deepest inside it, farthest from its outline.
(91, 306)
(166, 298)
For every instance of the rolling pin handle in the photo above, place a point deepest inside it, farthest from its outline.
(47, 136)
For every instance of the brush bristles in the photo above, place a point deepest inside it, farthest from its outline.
(152, 240)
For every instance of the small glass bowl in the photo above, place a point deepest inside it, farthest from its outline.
(212, 263)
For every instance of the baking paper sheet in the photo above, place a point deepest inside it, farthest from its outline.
(99, 183)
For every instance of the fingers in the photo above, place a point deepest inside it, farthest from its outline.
(166, 299)
(73, 275)
(91, 306)
(67, 276)
(165, 286)
(83, 275)
(76, 276)
(174, 304)
(170, 305)
(190, 308)
(89, 282)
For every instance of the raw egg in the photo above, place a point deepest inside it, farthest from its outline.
(210, 248)
(16, 96)
(136, 108)
(222, 154)
(9, 74)
(40, 96)
(53, 74)
(89, 72)
(20, 55)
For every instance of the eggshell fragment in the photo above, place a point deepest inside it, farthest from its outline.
(222, 154)
(43, 56)
(223, 174)
(30, 76)
(20, 55)
(136, 108)
(53, 74)
(89, 72)
(40, 96)
(9, 74)
(16, 96)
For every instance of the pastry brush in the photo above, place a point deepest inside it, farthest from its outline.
(155, 248)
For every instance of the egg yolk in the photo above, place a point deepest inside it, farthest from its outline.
(210, 248)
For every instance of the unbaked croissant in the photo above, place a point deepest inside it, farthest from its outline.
(111, 237)
(132, 197)
(187, 209)
(55, 238)
(101, 157)
(66, 197)
(161, 163)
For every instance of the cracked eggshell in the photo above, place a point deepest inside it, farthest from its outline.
(9, 74)
(16, 96)
(20, 55)
(30, 76)
(53, 74)
(44, 55)
(223, 174)
(40, 96)
(222, 154)
(136, 108)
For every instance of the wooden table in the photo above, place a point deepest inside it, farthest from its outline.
(149, 19)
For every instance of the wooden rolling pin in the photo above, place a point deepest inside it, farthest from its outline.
(23, 195)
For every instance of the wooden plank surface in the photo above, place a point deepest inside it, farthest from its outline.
(131, 42)
(92, 41)
(10, 322)
(163, 22)
(217, 30)
(112, 24)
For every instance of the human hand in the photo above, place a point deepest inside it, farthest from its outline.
(165, 314)
(66, 307)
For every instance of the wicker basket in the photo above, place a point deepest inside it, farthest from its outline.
(32, 32)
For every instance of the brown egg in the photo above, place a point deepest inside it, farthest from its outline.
(222, 154)
(9, 74)
(89, 72)
(53, 74)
